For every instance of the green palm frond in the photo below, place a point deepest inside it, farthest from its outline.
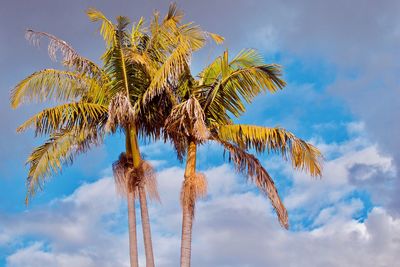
(107, 28)
(67, 116)
(52, 84)
(173, 14)
(228, 83)
(70, 57)
(218, 39)
(303, 155)
(251, 167)
(169, 72)
(60, 149)
(247, 58)
(137, 33)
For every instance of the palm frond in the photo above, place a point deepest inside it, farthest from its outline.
(70, 57)
(67, 116)
(218, 39)
(250, 166)
(229, 84)
(53, 84)
(107, 28)
(169, 72)
(242, 84)
(173, 14)
(247, 58)
(61, 149)
(303, 155)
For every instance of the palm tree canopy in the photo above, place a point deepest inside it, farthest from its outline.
(143, 61)
(208, 106)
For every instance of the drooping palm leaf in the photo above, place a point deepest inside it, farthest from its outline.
(60, 149)
(70, 57)
(251, 167)
(303, 155)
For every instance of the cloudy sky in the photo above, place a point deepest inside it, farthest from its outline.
(341, 62)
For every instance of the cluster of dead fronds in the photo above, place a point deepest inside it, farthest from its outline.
(120, 113)
(129, 179)
(194, 187)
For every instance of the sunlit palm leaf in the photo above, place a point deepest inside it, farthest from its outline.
(51, 84)
(169, 72)
(67, 116)
(107, 28)
(228, 83)
(302, 154)
(48, 159)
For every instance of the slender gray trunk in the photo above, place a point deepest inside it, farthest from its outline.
(186, 241)
(187, 212)
(146, 228)
(132, 230)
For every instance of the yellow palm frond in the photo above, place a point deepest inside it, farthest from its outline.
(231, 83)
(107, 28)
(52, 84)
(218, 39)
(67, 116)
(303, 155)
(247, 58)
(137, 33)
(250, 166)
(48, 159)
(169, 72)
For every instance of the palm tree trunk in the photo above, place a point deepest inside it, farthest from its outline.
(133, 252)
(187, 213)
(146, 228)
(186, 241)
(148, 246)
(132, 230)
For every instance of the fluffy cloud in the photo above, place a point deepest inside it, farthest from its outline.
(234, 226)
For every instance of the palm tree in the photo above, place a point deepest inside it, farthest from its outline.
(205, 113)
(96, 100)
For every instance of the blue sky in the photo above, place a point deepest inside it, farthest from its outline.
(340, 60)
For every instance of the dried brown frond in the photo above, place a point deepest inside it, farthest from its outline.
(149, 180)
(188, 119)
(249, 165)
(121, 168)
(120, 112)
(70, 57)
(193, 188)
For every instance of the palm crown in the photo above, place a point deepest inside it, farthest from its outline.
(137, 64)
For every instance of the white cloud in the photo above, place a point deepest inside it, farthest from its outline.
(234, 225)
(36, 255)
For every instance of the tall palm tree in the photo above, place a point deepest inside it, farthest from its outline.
(96, 100)
(205, 113)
